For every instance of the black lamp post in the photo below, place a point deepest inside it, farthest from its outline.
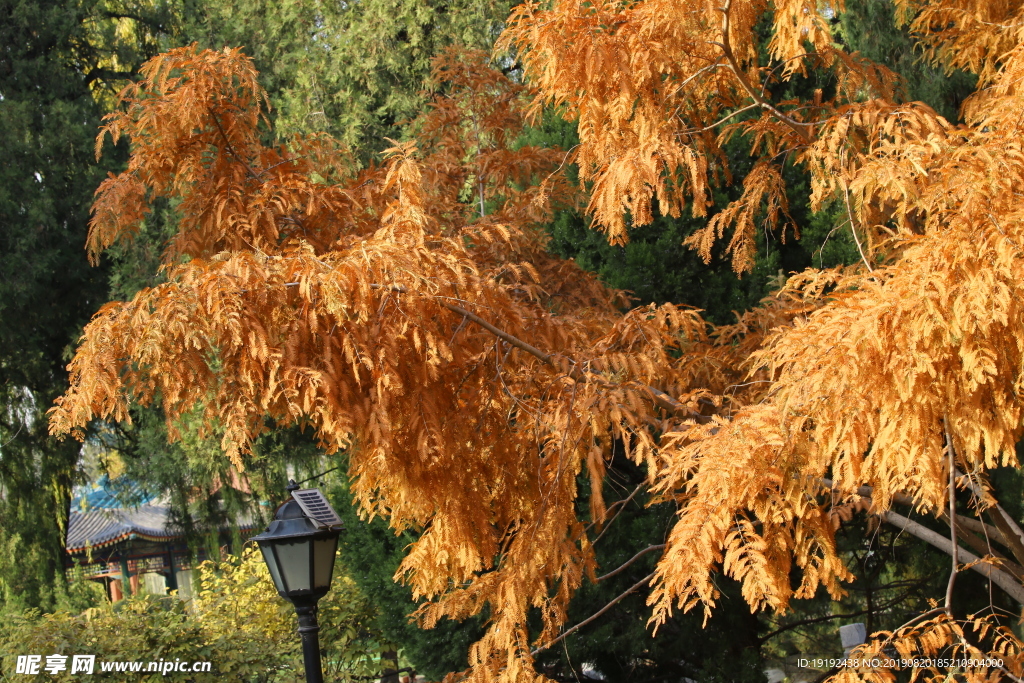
(299, 549)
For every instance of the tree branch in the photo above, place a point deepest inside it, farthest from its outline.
(620, 505)
(798, 127)
(696, 131)
(658, 397)
(830, 617)
(153, 23)
(995, 574)
(868, 492)
(1010, 532)
(954, 546)
(983, 547)
(974, 525)
(630, 561)
(499, 333)
(979, 527)
(107, 74)
(231, 150)
(1012, 586)
(595, 615)
(1008, 529)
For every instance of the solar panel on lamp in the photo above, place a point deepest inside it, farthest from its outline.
(314, 503)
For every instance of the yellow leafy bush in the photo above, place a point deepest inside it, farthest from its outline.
(236, 621)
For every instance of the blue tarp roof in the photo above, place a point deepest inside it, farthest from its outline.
(108, 494)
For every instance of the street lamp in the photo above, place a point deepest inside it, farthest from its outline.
(299, 549)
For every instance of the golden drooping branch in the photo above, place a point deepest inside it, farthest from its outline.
(804, 130)
(660, 398)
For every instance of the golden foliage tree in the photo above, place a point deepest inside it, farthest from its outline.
(410, 313)
(903, 384)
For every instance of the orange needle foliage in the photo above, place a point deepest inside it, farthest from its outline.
(910, 365)
(411, 314)
(399, 312)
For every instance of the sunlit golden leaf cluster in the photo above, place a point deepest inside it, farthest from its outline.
(658, 88)
(983, 651)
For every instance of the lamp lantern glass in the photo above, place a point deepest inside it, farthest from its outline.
(301, 567)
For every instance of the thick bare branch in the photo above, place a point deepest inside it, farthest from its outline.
(1006, 579)
(983, 545)
(979, 527)
(954, 547)
(996, 575)
(1011, 533)
(868, 492)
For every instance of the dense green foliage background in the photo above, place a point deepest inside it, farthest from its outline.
(48, 119)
